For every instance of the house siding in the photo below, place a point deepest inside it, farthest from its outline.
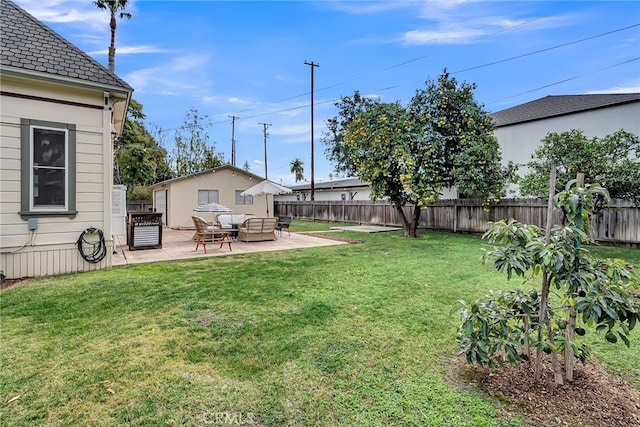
(519, 141)
(53, 248)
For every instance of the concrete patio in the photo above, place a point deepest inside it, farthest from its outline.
(179, 244)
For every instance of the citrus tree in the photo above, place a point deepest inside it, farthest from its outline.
(588, 293)
(409, 154)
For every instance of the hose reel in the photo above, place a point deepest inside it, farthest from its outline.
(92, 250)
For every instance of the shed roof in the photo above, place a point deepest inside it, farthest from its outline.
(207, 171)
(28, 45)
(559, 105)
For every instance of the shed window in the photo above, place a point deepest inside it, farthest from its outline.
(207, 196)
(243, 200)
(48, 168)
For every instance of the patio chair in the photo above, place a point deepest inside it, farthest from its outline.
(206, 232)
(283, 223)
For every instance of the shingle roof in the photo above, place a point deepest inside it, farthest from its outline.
(208, 171)
(559, 105)
(331, 185)
(28, 44)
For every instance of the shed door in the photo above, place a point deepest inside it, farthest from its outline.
(160, 204)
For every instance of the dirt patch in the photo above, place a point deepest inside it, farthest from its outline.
(332, 237)
(8, 283)
(595, 398)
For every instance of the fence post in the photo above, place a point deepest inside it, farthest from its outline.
(455, 215)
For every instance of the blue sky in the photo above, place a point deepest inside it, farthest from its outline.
(247, 59)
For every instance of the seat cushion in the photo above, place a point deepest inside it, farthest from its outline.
(227, 220)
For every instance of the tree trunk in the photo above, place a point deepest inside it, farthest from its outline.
(416, 220)
(112, 45)
(569, 360)
(557, 374)
(542, 321)
(409, 225)
(527, 330)
(546, 281)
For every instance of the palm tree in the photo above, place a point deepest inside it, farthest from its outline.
(297, 168)
(113, 6)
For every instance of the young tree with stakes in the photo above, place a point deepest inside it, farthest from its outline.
(590, 292)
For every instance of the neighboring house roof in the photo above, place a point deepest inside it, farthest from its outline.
(28, 46)
(560, 105)
(207, 171)
(339, 184)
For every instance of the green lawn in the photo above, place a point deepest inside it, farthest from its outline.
(357, 334)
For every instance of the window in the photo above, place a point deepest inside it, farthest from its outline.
(207, 196)
(48, 169)
(243, 200)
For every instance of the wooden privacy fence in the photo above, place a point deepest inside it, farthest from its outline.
(619, 223)
(139, 205)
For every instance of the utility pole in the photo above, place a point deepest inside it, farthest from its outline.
(264, 130)
(233, 140)
(312, 65)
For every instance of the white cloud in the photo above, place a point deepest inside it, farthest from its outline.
(211, 99)
(177, 75)
(132, 50)
(236, 100)
(292, 129)
(67, 12)
(366, 7)
(465, 21)
(617, 89)
(457, 36)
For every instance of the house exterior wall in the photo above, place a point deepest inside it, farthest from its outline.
(351, 194)
(359, 193)
(52, 248)
(182, 196)
(519, 141)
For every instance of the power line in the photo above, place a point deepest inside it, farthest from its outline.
(319, 90)
(479, 38)
(566, 80)
(454, 72)
(458, 71)
(400, 64)
(544, 50)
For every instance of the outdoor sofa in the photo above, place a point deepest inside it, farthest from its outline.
(258, 229)
(227, 221)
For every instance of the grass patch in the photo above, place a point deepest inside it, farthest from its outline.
(343, 335)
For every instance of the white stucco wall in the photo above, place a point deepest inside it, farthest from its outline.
(182, 196)
(519, 141)
(327, 194)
